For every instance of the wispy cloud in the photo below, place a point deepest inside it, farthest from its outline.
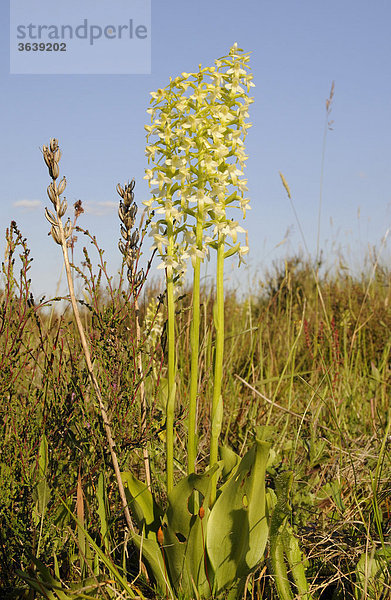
(100, 209)
(27, 204)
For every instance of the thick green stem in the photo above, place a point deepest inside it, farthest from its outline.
(170, 409)
(195, 345)
(217, 403)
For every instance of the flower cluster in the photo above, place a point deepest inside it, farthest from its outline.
(196, 155)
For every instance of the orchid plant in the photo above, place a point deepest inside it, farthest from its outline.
(196, 152)
(203, 543)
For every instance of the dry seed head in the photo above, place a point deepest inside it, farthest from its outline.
(78, 208)
(127, 211)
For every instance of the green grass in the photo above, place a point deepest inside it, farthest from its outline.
(311, 362)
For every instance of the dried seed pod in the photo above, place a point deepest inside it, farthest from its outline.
(61, 186)
(53, 144)
(63, 208)
(129, 262)
(57, 156)
(134, 239)
(121, 213)
(52, 193)
(56, 234)
(128, 221)
(132, 211)
(125, 233)
(50, 217)
(122, 247)
(54, 170)
(68, 229)
(137, 280)
(128, 196)
(120, 190)
(47, 156)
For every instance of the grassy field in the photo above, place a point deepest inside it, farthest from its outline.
(306, 366)
(191, 442)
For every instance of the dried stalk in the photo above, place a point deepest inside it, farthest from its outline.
(129, 248)
(60, 234)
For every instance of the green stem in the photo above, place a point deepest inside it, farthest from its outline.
(217, 403)
(195, 345)
(171, 364)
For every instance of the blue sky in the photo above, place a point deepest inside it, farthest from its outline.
(298, 48)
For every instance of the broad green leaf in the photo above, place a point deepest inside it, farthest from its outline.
(185, 532)
(142, 504)
(230, 461)
(237, 526)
